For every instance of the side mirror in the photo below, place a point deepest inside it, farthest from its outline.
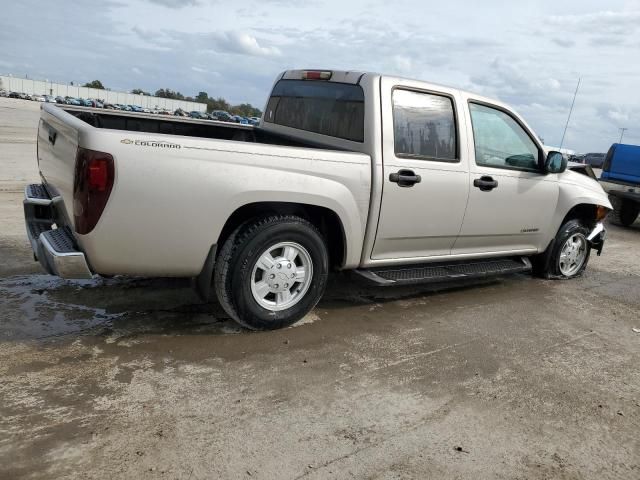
(555, 163)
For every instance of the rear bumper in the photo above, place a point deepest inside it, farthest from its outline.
(597, 236)
(52, 242)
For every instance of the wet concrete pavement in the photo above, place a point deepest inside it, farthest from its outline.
(134, 378)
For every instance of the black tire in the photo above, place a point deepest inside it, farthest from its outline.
(239, 254)
(547, 264)
(624, 212)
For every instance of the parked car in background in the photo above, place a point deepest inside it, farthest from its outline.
(596, 160)
(180, 113)
(222, 116)
(49, 99)
(60, 99)
(24, 96)
(620, 178)
(4, 93)
(14, 95)
(241, 120)
(38, 98)
(254, 120)
(74, 101)
(199, 115)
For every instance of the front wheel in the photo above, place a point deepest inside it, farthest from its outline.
(271, 272)
(568, 255)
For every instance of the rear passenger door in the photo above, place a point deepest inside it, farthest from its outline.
(511, 200)
(425, 175)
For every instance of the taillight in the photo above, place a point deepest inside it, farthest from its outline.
(315, 75)
(93, 181)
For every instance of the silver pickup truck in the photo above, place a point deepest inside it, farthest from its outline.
(398, 180)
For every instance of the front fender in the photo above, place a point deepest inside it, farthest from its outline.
(574, 190)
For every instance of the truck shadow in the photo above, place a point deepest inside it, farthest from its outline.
(46, 308)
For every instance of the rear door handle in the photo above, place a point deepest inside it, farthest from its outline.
(405, 178)
(485, 183)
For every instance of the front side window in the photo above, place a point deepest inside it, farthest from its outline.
(500, 141)
(424, 126)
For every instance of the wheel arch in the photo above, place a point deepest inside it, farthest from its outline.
(586, 212)
(326, 220)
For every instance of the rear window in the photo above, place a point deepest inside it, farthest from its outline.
(327, 108)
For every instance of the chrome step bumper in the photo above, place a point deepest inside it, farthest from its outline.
(53, 244)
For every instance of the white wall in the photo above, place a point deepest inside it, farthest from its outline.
(25, 85)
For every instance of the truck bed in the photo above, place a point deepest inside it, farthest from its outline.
(174, 184)
(183, 126)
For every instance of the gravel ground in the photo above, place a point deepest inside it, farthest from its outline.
(134, 378)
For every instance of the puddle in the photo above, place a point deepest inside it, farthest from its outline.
(28, 306)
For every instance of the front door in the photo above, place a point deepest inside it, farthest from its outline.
(426, 179)
(511, 201)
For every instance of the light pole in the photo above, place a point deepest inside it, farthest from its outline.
(622, 130)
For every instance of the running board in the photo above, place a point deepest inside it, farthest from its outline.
(444, 271)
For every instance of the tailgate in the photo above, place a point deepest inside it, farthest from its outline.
(58, 134)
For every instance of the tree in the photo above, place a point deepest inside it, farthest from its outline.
(218, 104)
(139, 91)
(246, 110)
(168, 93)
(95, 84)
(202, 97)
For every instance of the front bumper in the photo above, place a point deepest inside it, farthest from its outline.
(52, 242)
(597, 236)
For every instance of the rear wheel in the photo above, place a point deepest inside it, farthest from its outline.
(271, 272)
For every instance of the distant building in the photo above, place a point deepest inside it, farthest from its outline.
(44, 87)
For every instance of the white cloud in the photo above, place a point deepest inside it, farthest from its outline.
(402, 63)
(197, 69)
(175, 3)
(604, 20)
(243, 43)
(617, 116)
(563, 42)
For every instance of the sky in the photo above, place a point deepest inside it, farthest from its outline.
(528, 54)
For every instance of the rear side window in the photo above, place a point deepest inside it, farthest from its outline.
(327, 108)
(424, 126)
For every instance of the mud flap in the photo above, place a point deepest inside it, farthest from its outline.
(202, 283)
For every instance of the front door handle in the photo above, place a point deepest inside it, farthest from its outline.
(405, 178)
(485, 183)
